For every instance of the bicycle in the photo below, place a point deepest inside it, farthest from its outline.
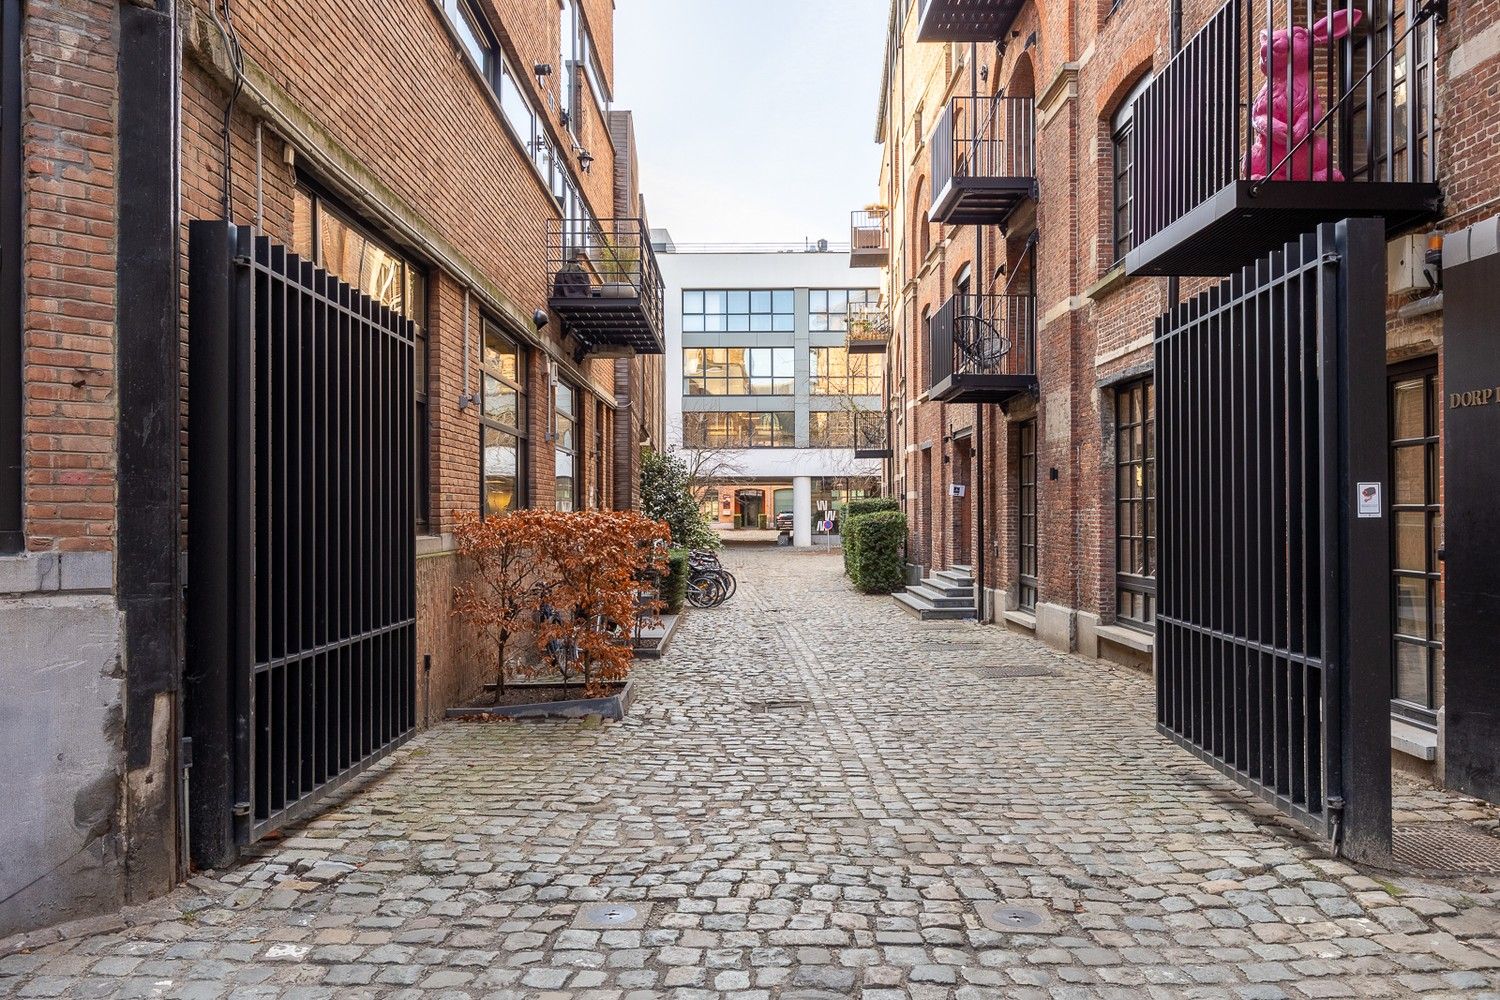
(709, 583)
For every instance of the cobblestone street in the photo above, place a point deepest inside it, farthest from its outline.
(815, 796)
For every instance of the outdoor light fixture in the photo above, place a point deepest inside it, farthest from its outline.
(539, 318)
(542, 69)
(585, 160)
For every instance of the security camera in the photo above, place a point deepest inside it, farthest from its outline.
(539, 318)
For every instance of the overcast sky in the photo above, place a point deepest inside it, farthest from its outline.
(755, 118)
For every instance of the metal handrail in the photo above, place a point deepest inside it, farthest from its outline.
(984, 335)
(605, 258)
(869, 230)
(981, 137)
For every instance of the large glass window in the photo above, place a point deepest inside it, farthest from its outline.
(502, 420)
(836, 372)
(1026, 591)
(1120, 132)
(350, 252)
(1417, 521)
(739, 430)
(473, 33)
(566, 432)
(738, 371)
(739, 310)
(846, 429)
(828, 308)
(1135, 504)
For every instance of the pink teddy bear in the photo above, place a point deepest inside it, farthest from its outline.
(1283, 118)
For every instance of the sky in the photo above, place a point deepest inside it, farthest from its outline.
(754, 119)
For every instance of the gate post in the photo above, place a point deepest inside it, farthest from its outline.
(1364, 540)
(217, 389)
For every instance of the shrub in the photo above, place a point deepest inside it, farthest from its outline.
(667, 496)
(870, 505)
(858, 508)
(674, 587)
(880, 539)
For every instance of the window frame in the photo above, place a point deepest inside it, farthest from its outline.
(1122, 167)
(574, 417)
(821, 383)
(836, 320)
(751, 296)
(1027, 586)
(1431, 510)
(775, 420)
(518, 430)
(727, 380)
(1136, 397)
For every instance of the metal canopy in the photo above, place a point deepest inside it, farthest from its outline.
(966, 20)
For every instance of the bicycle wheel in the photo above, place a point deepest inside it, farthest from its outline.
(729, 582)
(705, 592)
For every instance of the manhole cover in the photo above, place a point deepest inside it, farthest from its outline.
(1002, 671)
(1021, 919)
(951, 647)
(1455, 847)
(607, 916)
(782, 705)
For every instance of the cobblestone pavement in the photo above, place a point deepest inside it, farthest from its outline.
(816, 797)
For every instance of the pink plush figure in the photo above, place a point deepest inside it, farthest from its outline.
(1282, 116)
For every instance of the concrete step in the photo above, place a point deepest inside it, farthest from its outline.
(942, 597)
(948, 588)
(954, 578)
(961, 568)
(927, 611)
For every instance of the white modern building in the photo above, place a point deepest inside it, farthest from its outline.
(763, 394)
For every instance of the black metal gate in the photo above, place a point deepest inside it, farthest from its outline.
(1273, 637)
(301, 589)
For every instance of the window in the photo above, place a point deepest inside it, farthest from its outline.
(836, 372)
(742, 310)
(502, 422)
(739, 430)
(1120, 131)
(565, 431)
(1026, 591)
(473, 33)
(845, 429)
(828, 309)
(347, 250)
(1417, 523)
(738, 371)
(1135, 504)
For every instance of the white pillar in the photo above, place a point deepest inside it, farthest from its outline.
(802, 512)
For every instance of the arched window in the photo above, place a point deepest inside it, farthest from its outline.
(1120, 132)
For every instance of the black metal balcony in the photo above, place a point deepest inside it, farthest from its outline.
(868, 329)
(872, 438)
(983, 160)
(606, 286)
(982, 349)
(966, 20)
(869, 239)
(1217, 180)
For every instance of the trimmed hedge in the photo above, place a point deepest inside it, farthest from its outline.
(878, 565)
(859, 507)
(674, 587)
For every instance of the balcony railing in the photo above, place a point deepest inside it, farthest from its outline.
(965, 20)
(869, 329)
(605, 285)
(982, 348)
(871, 435)
(869, 239)
(983, 160)
(1219, 177)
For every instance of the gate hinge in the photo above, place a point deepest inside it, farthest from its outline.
(241, 809)
(242, 259)
(185, 752)
(1329, 257)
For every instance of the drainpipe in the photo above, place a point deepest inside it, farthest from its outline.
(980, 279)
(1174, 46)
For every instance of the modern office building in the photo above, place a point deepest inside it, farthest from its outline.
(771, 395)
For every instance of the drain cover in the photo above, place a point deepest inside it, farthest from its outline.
(951, 647)
(1001, 671)
(1453, 847)
(781, 705)
(607, 916)
(1019, 919)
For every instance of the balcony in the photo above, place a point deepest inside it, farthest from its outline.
(606, 287)
(869, 239)
(871, 435)
(983, 160)
(1208, 195)
(983, 349)
(966, 20)
(869, 329)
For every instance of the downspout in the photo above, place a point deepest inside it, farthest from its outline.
(1174, 45)
(980, 276)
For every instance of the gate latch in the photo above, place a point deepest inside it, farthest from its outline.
(242, 809)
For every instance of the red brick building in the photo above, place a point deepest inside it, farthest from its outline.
(1030, 107)
(446, 159)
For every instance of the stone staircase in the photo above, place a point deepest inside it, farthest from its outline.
(947, 594)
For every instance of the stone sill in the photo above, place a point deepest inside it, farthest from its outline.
(1130, 638)
(1414, 741)
(1024, 619)
(57, 572)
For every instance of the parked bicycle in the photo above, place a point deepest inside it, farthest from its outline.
(709, 583)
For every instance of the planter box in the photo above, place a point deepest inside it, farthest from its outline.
(653, 642)
(611, 707)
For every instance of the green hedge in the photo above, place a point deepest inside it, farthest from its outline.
(674, 588)
(859, 507)
(878, 566)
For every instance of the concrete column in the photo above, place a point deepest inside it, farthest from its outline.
(802, 512)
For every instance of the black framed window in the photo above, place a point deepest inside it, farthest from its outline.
(1026, 561)
(760, 310)
(845, 428)
(836, 372)
(566, 435)
(828, 308)
(1417, 526)
(334, 241)
(502, 422)
(1120, 132)
(738, 371)
(739, 430)
(1135, 504)
(12, 535)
